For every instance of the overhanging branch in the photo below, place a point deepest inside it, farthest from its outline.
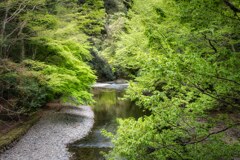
(232, 7)
(212, 133)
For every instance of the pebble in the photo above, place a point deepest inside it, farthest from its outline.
(48, 139)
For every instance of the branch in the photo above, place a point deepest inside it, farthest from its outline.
(225, 79)
(213, 76)
(232, 7)
(17, 11)
(8, 110)
(210, 43)
(233, 18)
(14, 30)
(4, 22)
(21, 26)
(6, 101)
(203, 91)
(1, 121)
(167, 147)
(213, 133)
(206, 93)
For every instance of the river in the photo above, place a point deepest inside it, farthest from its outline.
(108, 107)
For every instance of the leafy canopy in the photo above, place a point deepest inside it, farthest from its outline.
(186, 54)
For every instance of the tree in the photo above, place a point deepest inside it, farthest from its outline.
(188, 79)
(12, 25)
(50, 43)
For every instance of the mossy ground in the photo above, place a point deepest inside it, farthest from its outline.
(13, 134)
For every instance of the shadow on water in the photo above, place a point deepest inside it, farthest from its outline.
(109, 106)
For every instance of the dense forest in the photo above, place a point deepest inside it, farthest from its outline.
(181, 58)
(45, 50)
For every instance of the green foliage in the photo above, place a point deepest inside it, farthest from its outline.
(62, 53)
(73, 83)
(187, 77)
(20, 89)
(51, 40)
(92, 17)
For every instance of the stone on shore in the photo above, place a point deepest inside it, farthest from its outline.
(48, 139)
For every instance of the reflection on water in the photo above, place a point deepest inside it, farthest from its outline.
(109, 106)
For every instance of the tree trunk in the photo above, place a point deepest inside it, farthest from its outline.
(20, 34)
(22, 50)
(2, 36)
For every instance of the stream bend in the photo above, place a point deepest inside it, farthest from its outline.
(47, 139)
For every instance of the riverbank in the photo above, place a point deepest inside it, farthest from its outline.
(55, 120)
(48, 138)
(11, 132)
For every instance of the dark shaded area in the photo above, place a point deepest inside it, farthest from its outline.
(101, 66)
(113, 6)
(94, 154)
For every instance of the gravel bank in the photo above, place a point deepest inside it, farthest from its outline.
(47, 139)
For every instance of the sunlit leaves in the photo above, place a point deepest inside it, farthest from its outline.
(187, 76)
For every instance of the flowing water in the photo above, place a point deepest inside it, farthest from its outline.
(109, 106)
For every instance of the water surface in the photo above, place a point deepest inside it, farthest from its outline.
(109, 106)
